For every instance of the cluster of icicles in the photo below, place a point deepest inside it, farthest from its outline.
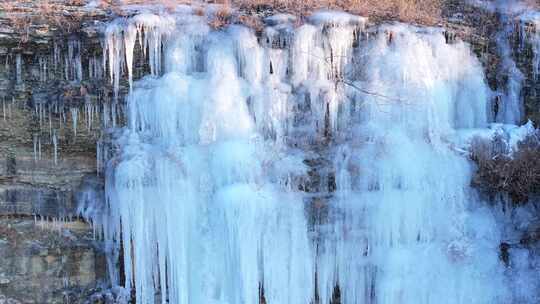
(208, 187)
(52, 112)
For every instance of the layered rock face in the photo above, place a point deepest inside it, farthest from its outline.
(50, 94)
(47, 262)
(58, 99)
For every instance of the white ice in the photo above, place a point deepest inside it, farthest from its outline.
(203, 189)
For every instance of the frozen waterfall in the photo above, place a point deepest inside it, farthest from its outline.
(310, 163)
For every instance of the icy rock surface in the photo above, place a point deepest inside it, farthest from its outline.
(530, 33)
(204, 190)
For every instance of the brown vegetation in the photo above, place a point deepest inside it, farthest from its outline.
(419, 11)
(500, 172)
(24, 14)
(415, 11)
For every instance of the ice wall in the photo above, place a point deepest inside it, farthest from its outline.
(204, 189)
(402, 194)
(509, 105)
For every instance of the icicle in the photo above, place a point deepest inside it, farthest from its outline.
(73, 63)
(74, 119)
(88, 114)
(6, 63)
(42, 69)
(55, 147)
(50, 122)
(91, 68)
(69, 59)
(115, 51)
(35, 140)
(10, 106)
(94, 68)
(130, 35)
(113, 114)
(40, 115)
(78, 62)
(18, 63)
(509, 105)
(56, 56)
(106, 114)
(66, 67)
(99, 163)
(39, 147)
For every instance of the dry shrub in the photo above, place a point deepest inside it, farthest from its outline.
(517, 175)
(251, 22)
(222, 16)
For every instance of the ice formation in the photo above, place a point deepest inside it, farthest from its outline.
(519, 22)
(55, 147)
(530, 33)
(210, 186)
(509, 105)
(121, 35)
(18, 67)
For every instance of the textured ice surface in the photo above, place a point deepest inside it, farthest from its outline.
(204, 190)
